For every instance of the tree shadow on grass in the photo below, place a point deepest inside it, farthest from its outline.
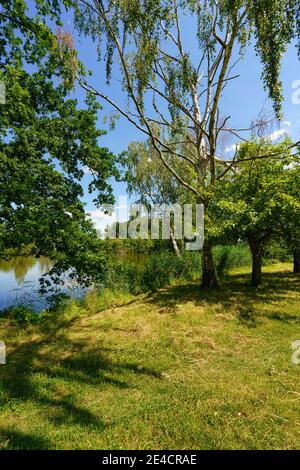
(14, 440)
(36, 367)
(236, 294)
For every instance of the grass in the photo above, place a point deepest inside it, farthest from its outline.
(180, 369)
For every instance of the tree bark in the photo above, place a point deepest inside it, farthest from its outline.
(257, 252)
(209, 276)
(174, 244)
(296, 254)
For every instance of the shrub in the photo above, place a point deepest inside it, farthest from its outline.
(160, 269)
(123, 276)
(157, 271)
(23, 315)
(227, 257)
(189, 265)
(277, 250)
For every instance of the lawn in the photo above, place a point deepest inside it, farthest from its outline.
(180, 369)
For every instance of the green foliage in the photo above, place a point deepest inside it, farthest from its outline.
(156, 271)
(273, 23)
(289, 221)
(228, 257)
(147, 176)
(276, 24)
(26, 38)
(205, 370)
(23, 315)
(277, 250)
(46, 140)
(133, 246)
(124, 277)
(160, 270)
(257, 196)
(258, 200)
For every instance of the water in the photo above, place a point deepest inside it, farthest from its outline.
(138, 259)
(19, 281)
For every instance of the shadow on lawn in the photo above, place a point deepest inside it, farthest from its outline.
(236, 294)
(45, 370)
(34, 371)
(18, 440)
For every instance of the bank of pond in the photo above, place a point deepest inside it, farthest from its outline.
(127, 271)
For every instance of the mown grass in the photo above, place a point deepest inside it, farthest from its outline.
(180, 368)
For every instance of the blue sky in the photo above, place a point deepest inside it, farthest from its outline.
(243, 99)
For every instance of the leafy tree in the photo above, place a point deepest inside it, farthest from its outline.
(148, 178)
(45, 142)
(257, 202)
(166, 83)
(290, 226)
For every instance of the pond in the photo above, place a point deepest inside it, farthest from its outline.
(19, 281)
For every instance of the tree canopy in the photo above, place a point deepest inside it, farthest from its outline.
(258, 201)
(46, 143)
(167, 84)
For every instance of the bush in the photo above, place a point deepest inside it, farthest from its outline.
(189, 265)
(158, 270)
(123, 276)
(162, 268)
(23, 315)
(277, 250)
(227, 257)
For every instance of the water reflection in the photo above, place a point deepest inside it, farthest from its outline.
(19, 280)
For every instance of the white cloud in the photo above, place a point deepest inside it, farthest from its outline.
(278, 134)
(232, 148)
(86, 170)
(101, 220)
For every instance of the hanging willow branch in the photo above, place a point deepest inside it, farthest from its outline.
(147, 40)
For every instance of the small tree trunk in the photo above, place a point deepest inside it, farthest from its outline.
(256, 251)
(296, 254)
(209, 277)
(174, 244)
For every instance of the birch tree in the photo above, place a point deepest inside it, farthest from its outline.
(149, 180)
(146, 46)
